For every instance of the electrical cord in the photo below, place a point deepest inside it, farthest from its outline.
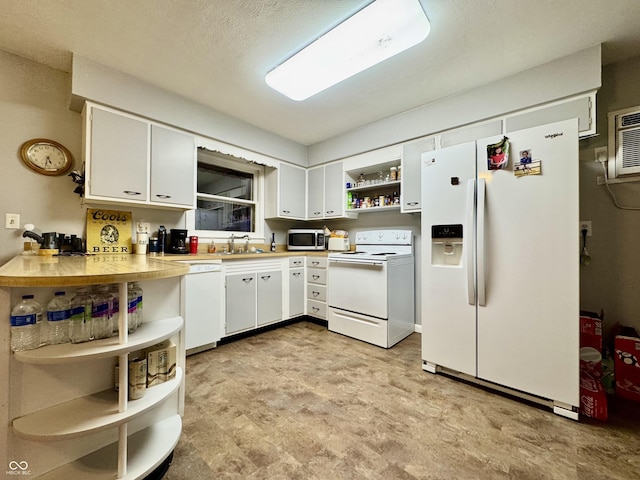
(613, 197)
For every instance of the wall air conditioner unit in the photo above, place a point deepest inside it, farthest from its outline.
(624, 142)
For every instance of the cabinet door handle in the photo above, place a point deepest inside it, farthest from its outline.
(317, 213)
(247, 279)
(163, 196)
(315, 294)
(411, 204)
(131, 192)
(266, 277)
(330, 211)
(296, 274)
(315, 277)
(286, 211)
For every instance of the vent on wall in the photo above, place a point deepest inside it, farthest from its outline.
(624, 141)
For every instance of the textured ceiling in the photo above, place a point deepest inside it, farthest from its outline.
(217, 52)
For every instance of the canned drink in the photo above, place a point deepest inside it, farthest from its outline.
(193, 244)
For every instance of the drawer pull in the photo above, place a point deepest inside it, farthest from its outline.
(296, 274)
(315, 262)
(315, 277)
(297, 262)
(315, 309)
(315, 294)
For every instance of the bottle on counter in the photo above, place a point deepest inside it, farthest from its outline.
(58, 314)
(273, 242)
(80, 325)
(26, 320)
(162, 239)
(102, 312)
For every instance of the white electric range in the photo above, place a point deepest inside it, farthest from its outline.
(370, 291)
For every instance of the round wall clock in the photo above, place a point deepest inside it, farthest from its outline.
(46, 156)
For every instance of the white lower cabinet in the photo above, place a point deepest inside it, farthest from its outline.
(241, 301)
(296, 286)
(317, 287)
(63, 418)
(253, 294)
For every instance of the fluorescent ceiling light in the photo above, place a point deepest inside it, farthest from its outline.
(379, 31)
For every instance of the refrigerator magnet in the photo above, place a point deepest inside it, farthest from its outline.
(526, 156)
(528, 169)
(498, 155)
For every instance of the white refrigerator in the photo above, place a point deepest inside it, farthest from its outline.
(500, 270)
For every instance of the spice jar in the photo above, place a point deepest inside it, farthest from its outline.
(393, 173)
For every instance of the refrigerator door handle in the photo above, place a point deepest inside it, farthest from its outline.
(480, 241)
(469, 242)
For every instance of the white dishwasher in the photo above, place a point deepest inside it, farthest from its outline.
(202, 290)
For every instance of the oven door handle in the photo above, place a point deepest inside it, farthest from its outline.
(357, 262)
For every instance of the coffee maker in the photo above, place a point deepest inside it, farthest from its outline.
(178, 241)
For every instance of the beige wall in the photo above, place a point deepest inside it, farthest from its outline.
(34, 102)
(612, 281)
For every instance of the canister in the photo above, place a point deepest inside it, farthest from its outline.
(137, 378)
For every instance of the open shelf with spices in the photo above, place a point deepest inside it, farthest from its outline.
(374, 188)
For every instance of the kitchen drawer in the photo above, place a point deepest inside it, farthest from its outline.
(296, 262)
(317, 262)
(317, 309)
(367, 329)
(317, 292)
(317, 275)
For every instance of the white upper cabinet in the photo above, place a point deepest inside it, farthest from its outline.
(325, 187)
(117, 161)
(334, 196)
(315, 192)
(173, 156)
(286, 192)
(131, 160)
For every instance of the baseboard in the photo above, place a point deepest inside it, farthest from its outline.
(417, 328)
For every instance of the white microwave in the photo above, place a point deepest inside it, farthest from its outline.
(305, 239)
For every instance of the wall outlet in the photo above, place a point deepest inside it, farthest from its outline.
(585, 224)
(12, 220)
(600, 154)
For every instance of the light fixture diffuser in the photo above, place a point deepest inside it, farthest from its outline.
(379, 31)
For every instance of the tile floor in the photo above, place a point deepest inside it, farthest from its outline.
(300, 402)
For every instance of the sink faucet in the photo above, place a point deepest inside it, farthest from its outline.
(246, 243)
(232, 248)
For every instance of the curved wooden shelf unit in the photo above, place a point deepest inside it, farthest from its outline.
(147, 449)
(49, 271)
(148, 334)
(90, 414)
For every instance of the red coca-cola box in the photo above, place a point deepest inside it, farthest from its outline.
(593, 399)
(627, 364)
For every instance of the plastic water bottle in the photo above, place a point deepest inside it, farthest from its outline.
(26, 320)
(132, 309)
(115, 311)
(58, 314)
(80, 325)
(102, 313)
(139, 306)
